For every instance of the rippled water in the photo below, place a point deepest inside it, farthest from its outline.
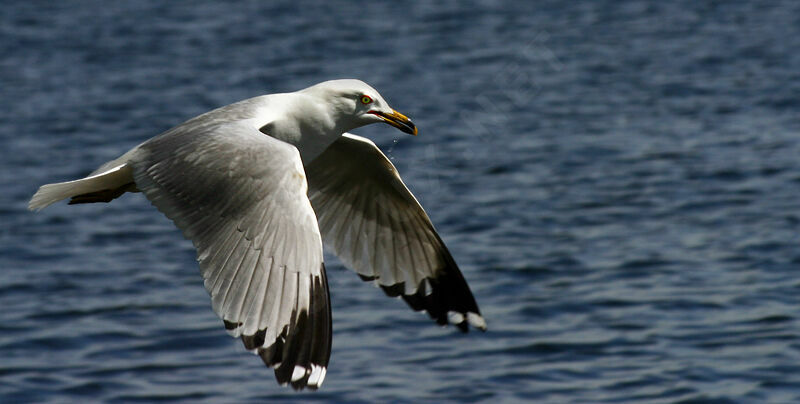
(619, 182)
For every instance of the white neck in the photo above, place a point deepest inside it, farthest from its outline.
(304, 122)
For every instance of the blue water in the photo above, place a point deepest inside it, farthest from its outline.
(619, 182)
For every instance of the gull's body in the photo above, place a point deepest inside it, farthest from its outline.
(257, 186)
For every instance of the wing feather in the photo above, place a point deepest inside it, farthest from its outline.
(240, 197)
(374, 224)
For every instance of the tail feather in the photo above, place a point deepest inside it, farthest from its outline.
(101, 187)
(106, 195)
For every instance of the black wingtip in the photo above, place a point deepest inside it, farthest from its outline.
(301, 353)
(447, 298)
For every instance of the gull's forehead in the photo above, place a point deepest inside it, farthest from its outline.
(351, 84)
(346, 86)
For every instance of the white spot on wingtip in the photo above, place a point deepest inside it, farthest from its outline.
(298, 373)
(317, 375)
(455, 317)
(476, 320)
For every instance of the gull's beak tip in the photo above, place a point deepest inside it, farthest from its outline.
(397, 120)
(403, 123)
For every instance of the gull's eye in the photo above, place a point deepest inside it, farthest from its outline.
(365, 99)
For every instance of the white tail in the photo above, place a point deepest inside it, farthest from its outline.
(107, 180)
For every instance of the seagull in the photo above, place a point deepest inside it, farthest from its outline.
(258, 186)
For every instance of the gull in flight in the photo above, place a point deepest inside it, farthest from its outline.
(258, 186)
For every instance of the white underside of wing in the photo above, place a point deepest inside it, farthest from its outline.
(368, 216)
(373, 223)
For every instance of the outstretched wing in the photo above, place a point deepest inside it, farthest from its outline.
(375, 225)
(240, 197)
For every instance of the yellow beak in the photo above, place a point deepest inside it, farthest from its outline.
(399, 121)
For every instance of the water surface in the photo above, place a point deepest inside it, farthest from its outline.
(619, 182)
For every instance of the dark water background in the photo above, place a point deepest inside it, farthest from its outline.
(619, 181)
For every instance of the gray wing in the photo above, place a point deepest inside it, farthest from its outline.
(374, 224)
(240, 197)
